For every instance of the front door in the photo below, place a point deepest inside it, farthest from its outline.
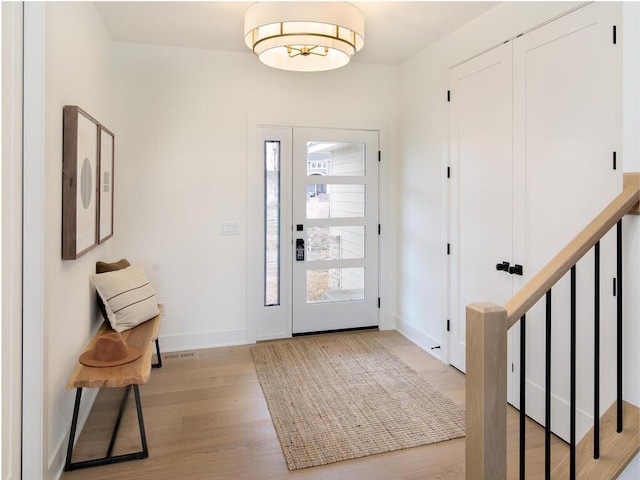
(335, 229)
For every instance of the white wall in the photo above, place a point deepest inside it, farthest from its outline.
(182, 120)
(74, 71)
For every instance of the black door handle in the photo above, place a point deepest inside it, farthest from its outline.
(504, 266)
(516, 270)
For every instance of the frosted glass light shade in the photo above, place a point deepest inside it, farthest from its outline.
(304, 36)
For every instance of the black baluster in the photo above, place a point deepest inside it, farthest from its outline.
(547, 407)
(596, 351)
(572, 421)
(619, 312)
(523, 383)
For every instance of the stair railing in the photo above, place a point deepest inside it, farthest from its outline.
(486, 351)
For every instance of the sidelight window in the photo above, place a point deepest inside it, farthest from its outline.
(272, 219)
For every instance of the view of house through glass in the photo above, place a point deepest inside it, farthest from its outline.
(328, 198)
(335, 285)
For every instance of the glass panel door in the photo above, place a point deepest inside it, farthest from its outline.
(335, 217)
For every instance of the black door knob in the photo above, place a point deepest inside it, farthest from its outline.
(516, 270)
(504, 266)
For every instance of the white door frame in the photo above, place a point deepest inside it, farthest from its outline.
(11, 202)
(259, 326)
(34, 379)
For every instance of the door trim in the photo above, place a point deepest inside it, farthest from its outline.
(12, 181)
(257, 326)
(34, 378)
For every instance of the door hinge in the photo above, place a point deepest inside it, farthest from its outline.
(448, 325)
(448, 249)
(615, 287)
(379, 156)
(448, 95)
(615, 163)
(378, 302)
(379, 229)
(615, 39)
(448, 172)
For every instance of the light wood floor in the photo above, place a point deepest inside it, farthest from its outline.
(206, 418)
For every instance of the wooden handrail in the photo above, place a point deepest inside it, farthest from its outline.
(533, 291)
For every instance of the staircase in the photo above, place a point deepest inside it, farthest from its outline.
(614, 440)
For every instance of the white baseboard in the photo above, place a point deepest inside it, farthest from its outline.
(421, 339)
(198, 341)
(272, 336)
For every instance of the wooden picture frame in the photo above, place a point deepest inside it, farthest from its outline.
(106, 142)
(79, 186)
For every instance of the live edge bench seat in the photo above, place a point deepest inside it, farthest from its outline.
(135, 373)
(138, 372)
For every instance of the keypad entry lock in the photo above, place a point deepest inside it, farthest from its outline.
(299, 249)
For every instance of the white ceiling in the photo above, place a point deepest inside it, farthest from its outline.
(394, 31)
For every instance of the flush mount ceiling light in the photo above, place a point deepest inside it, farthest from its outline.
(304, 36)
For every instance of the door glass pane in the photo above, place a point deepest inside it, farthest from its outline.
(335, 285)
(272, 223)
(335, 243)
(337, 159)
(335, 200)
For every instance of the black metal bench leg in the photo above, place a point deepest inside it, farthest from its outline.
(109, 459)
(114, 434)
(158, 364)
(143, 436)
(74, 424)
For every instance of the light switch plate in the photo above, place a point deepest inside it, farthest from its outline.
(230, 228)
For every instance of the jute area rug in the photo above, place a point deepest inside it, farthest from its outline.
(339, 397)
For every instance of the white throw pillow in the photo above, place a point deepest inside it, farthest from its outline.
(128, 297)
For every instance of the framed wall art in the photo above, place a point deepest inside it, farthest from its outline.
(79, 183)
(105, 195)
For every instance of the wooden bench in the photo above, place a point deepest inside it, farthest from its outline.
(128, 375)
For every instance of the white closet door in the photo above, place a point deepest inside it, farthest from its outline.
(567, 114)
(481, 187)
